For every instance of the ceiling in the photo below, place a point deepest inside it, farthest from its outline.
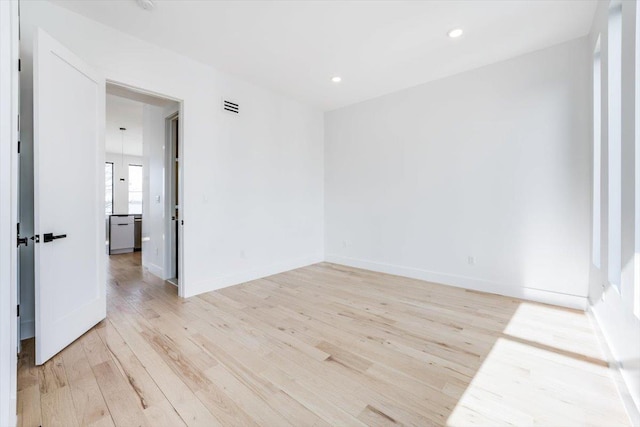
(122, 112)
(377, 47)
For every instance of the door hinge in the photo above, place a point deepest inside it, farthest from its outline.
(21, 240)
(18, 146)
(18, 310)
(19, 65)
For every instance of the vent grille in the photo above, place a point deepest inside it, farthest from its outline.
(230, 106)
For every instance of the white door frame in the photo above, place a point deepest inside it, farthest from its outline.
(180, 113)
(170, 259)
(9, 110)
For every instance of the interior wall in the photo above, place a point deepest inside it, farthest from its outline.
(121, 188)
(154, 241)
(253, 183)
(612, 307)
(479, 180)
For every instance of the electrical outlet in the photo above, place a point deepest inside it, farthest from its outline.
(345, 243)
(471, 260)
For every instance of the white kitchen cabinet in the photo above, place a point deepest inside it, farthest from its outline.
(121, 234)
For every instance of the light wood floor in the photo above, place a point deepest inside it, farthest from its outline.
(322, 345)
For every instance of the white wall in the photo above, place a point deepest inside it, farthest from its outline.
(613, 308)
(121, 188)
(154, 242)
(253, 184)
(492, 163)
(8, 214)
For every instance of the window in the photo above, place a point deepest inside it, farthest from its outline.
(614, 151)
(135, 189)
(597, 128)
(108, 187)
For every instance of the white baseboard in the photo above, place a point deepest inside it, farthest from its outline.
(156, 270)
(120, 251)
(539, 295)
(249, 275)
(27, 329)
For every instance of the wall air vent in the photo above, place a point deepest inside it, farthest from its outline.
(230, 106)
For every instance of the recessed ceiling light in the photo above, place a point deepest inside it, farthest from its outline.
(455, 33)
(146, 4)
(336, 79)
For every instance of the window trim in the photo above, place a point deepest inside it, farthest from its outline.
(596, 250)
(614, 146)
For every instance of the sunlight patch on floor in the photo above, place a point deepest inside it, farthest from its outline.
(503, 392)
(555, 327)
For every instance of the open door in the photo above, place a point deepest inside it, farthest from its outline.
(69, 116)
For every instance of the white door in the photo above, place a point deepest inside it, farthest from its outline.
(69, 102)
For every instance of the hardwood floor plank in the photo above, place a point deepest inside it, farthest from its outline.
(248, 366)
(95, 350)
(28, 374)
(28, 406)
(88, 401)
(124, 403)
(156, 408)
(246, 398)
(183, 400)
(52, 376)
(316, 403)
(57, 408)
(29, 409)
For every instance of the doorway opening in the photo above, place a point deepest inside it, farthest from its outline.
(142, 180)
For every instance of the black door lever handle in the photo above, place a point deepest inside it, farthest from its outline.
(49, 237)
